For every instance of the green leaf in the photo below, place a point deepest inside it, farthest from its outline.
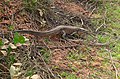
(118, 56)
(9, 50)
(11, 27)
(12, 59)
(18, 38)
(30, 73)
(21, 39)
(1, 42)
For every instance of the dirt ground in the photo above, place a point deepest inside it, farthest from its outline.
(51, 57)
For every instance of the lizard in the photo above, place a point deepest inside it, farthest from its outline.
(62, 29)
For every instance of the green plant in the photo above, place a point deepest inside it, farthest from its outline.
(103, 39)
(9, 49)
(11, 27)
(72, 76)
(45, 54)
(18, 38)
(1, 42)
(12, 59)
(29, 73)
(64, 74)
(30, 4)
(73, 55)
(69, 75)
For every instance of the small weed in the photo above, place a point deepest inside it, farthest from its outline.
(9, 49)
(30, 4)
(45, 54)
(75, 56)
(46, 40)
(64, 74)
(103, 39)
(29, 73)
(11, 27)
(68, 75)
(18, 38)
(12, 59)
(1, 42)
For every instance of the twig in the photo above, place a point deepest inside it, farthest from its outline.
(60, 47)
(4, 67)
(99, 27)
(111, 58)
(46, 65)
(73, 46)
(92, 12)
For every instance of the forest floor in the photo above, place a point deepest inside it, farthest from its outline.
(25, 56)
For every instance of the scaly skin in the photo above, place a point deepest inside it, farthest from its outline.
(57, 30)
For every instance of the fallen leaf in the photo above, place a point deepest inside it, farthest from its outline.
(100, 59)
(12, 52)
(4, 47)
(17, 64)
(12, 71)
(96, 64)
(40, 12)
(5, 41)
(27, 43)
(26, 39)
(18, 44)
(27, 77)
(4, 52)
(5, 22)
(36, 76)
(12, 46)
(96, 16)
(15, 70)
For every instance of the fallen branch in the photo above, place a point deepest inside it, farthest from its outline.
(72, 46)
(112, 62)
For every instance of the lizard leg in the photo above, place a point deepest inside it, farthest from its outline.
(63, 37)
(64, 34)
(73, 33)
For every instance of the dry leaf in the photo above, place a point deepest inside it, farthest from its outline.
(5, 41)
(12, 71)
(5, 22)
(18, 44)
(15, 70)
(4, 47)
(17, 64)
(100, 59)
(26, 39)
(12, 52)
(12, 46)
(96, 64)
(40, 12)
(27, 43)
(36, 76)
(4, 52)
(27, 77)
(96, 16)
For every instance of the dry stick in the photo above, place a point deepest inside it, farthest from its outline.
(4, 67)
(104, 16)
(46, 65)
(40, 67)
(72, 46)
(60, 47)
(116, 71)
(92, 12)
